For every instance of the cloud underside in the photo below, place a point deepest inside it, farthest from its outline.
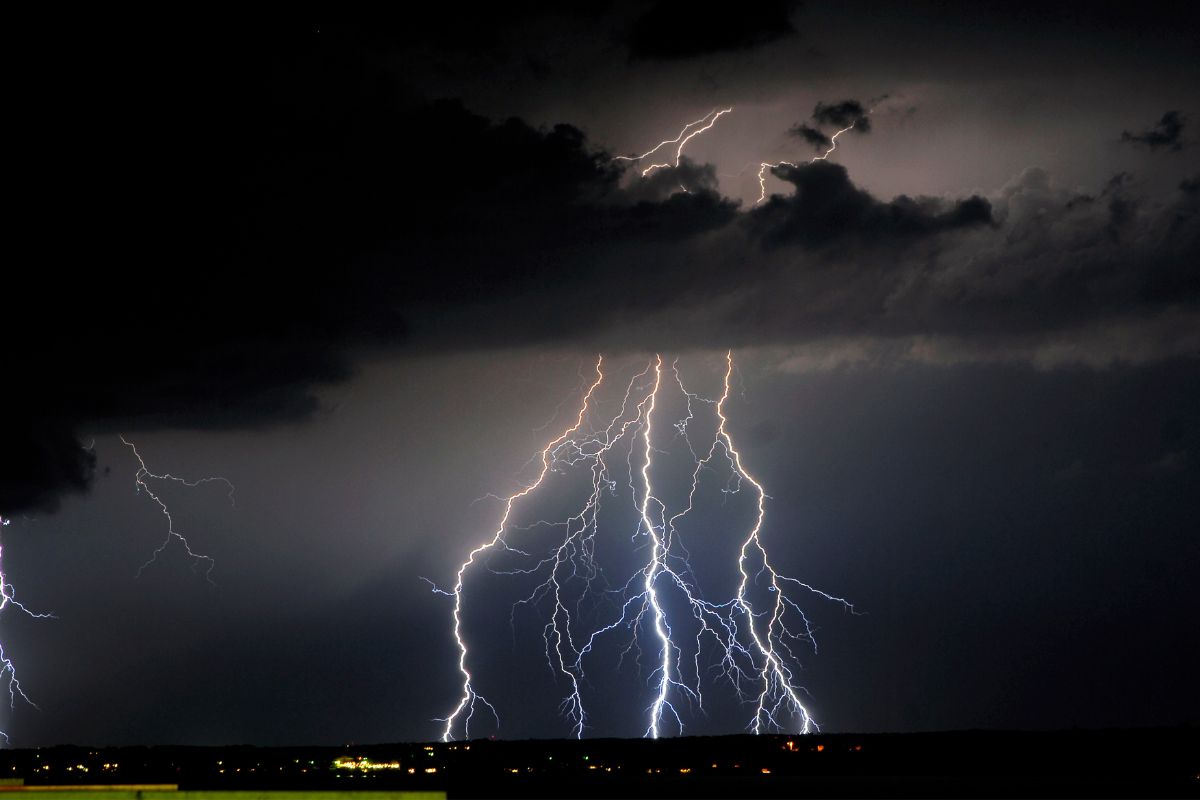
(1166, 134)
(227, 281)
(842, 115)
(811, 136)
(839, 116)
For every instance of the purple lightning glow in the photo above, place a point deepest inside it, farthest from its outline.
(754, 639)
(8, 670)
(140, 477)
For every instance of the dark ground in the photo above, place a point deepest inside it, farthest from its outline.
(1160, 762)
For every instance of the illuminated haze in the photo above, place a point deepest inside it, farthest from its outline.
(359, 272)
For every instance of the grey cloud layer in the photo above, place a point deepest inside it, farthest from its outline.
(237, 266)
(1167, 133)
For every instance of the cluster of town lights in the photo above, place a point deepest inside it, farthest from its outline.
(364, 764)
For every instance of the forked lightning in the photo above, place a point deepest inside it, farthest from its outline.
(753, 638)
(8, 670)
(140, 481)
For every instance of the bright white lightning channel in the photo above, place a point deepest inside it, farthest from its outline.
(764, 166)
(753, 639)
(140, 482)
(689, 132)
(705, 123)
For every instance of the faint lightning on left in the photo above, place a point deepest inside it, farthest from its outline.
(8, 670)
(140, 481)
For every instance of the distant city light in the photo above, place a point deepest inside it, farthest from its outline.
(364, 764)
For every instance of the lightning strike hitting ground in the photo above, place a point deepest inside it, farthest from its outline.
(139, 479)
(689, 132)
(8, 670)
(469, 696)
(753, 638)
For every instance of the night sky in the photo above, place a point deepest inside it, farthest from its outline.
(362, 273)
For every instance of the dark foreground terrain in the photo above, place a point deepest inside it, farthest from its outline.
(1117, 763)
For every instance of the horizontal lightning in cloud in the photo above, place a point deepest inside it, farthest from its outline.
(764, 166)
(836, 113)
(705, 123)
(689, 132)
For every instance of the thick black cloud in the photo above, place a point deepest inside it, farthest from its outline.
(811, 135)
(842, 115)
(662, 183)
(1167, 133)
(673, 29)
(1034, 273)
(210, 228)
(827, 208)
(241, 229)
(286, 207)
(41, 462)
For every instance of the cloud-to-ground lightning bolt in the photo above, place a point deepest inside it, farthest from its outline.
(8, 670)
(143, 473)
(466, 703)
(689, 132)
(754, 657)
(778, 689)
(662, 630)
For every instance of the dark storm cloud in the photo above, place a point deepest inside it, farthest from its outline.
(1058, 259)
(662, 183)
(294, 203)
(673, 29)
(1034, 273)
(42, 463)
(291, 206)
(842, 115)
(839, 115)
(1167, 133)
(819, 141)
(1090, 280)
(318, 256)
(827, 208)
